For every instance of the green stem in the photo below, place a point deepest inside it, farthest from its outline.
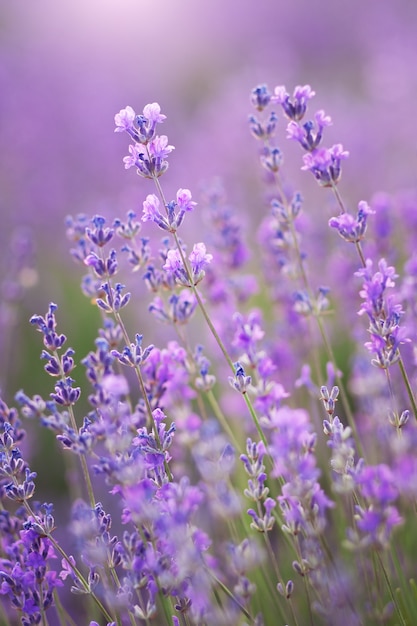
(221, 418)
(391, 591)
(84, 583)
(408, 386)
(230, 595)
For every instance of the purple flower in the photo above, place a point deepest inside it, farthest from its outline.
(263, 130)
(140, 127)
(151, 208)
(260, 97)
(310, 134)
(375, 285)
(172, 220)
(296, 107)
(248, 334)
(377, 484)
(134, 354)
(199, 259)
(376, 519)
(173, 261)
(115, 385)
(384, 313)
(325, 164)
(132, 160)
(159, 147)
(152, 112)
(184, 201)
(124, 120)
(47, 325)
(350, 228)
(240, 381)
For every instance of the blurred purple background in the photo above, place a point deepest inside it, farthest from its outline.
(67, 67)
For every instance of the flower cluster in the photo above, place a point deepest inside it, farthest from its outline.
(201, 485)
(384, 313)
(324, 163)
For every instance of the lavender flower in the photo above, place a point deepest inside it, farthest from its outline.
(199, 259)
(352, 229)
(326, 164)
(310, 134)
(157, 521)
(295, 107)
(150, 161)
(384, 314)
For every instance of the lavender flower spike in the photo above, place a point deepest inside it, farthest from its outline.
(325, 164)
(296, 107)
(352, 229)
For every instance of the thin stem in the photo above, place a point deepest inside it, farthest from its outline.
(221, 417)
(360, 253)
(278, 574)
(230, 595)
(87, 478)
(338, 197)
(84, 583)
(408, 386)
(83, 460)
(390, 589)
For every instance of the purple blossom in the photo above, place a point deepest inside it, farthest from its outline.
(184, 201)
(124, 120)
(384, 313)
(132, 160)
(151, 208)
(248, 334)
(115, 385)
(47, 325)
(240, 381)
(199, 259)
(100, 235)
(173, 219)
(159, 148)
(374, 286)
(140, 127)
(263, 130)
(378, 485)
(377, 520)
(173, 262)
(325, 164)
(296, 107)
(310, 134)
(134, 354)
(344, 467)
(350, 228)
(152, 112)
(175, 540)
(260, 97)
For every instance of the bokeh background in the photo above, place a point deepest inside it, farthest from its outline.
(67, 67)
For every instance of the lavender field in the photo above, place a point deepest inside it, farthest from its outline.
(208, 319)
